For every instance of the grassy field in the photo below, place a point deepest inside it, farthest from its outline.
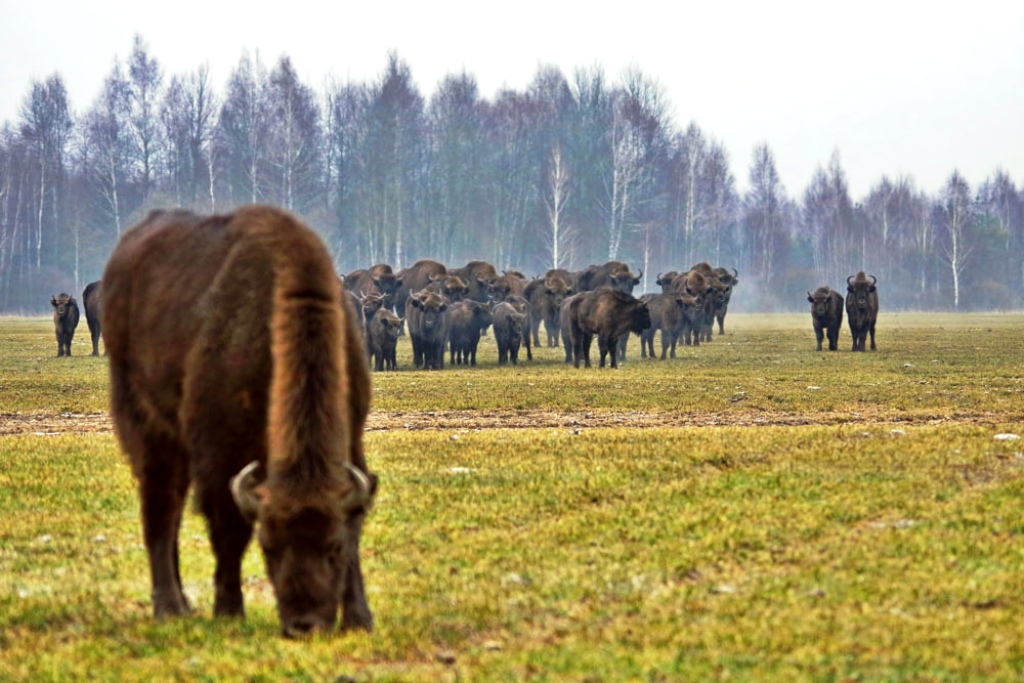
(752, 510)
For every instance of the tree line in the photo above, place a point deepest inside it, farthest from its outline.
(574, 169)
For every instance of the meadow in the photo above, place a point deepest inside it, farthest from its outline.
(752, 510)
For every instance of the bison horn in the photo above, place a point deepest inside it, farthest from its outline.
(874, 280)
(243, 490)
(848, 281)
(735, 273)
(361, 495)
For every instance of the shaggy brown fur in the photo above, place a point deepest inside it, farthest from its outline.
(826, 315)
(229, 345)
(415, 278)
(862, 308)
(546, 296)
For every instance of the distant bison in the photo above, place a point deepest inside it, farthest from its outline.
(415, 278)
(467, 321)
(91, 301)
(674, 315)
(380, 279)
(428, 328)
(65, 320)
(861, 308)
(614, 274)
(382, 333)
(236, 368)
(510, 324)
(608, 314)
(546, 296)
(826, 315)
(478, 276)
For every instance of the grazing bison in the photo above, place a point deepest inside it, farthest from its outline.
(546, 296)
(861, 308)
(236, 368)
(415, 278)
(428, 328)
(380, 279)
(614, 274)
(511, 326)
(610, 315)
(826, 315)
(477, 275)
(467, 321)
(91, 301)
(382, 333)
(65, 320)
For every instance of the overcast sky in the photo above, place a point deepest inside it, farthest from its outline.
(910, 88)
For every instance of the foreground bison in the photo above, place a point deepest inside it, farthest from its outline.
(65, 320)
(236, 368)
(91, 301)
(826, 315)
(861, 308)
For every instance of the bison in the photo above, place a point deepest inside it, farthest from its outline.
(65, 320)
(415, 278)
(380, 279)
(664, 280)
(509, 283)
(862, 308)
(91, 301)
(467, 321)
(382, 333)
(610, 315)
(546, 296)
(614, 274)
(826, 315)
(451, 287)
(674, 315)
(477, 275)
(428, 328)
(511, 325)
(236, 369)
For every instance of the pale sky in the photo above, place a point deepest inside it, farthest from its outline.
(899, 88)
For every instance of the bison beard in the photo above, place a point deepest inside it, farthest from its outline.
(231, 352)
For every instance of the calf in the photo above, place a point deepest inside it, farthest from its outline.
(861, 308)
(65, 320)
(382, 333)
(510, 324)
(826, 315)
(428, 328)
(467, 321)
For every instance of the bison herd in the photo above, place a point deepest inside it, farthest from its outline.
(452, 307)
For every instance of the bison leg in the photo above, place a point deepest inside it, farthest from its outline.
(229, 536)
(871, 331)
(163, 489)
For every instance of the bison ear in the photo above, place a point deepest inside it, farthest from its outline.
(53, 301)
(247, 493)
(810, 298)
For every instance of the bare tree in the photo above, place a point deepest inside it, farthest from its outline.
(345, 176)
(560, 240)
(145, 80)
(109, 147)
(46, 127)
(764, 208)
(187, 115)
(243, 131)
(293, 144)
(957, 213)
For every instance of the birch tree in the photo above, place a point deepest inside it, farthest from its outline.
(956, 214)
(145, 79)
(764, 206)
(243, 131)
(560, 236)
(109, 149)
(293, 140)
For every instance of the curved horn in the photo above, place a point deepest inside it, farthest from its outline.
(848, 283)
(735, 273)
(641, 275)
(874, 280)
(242, 490)
(361, 494)
(658, 279)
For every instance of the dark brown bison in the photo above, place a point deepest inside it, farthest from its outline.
(413, 279)
(468, 319)
(477, 275)
(65, 320)
(674, 315)
(614, 274)
(451, 287)
(730, 280)
(510, 322)
(91, 301)
(567, 276)
(382, 333)
(546, 296)
(610, 315)
(862, 308)
(380, 279)
(505, 285)
(664, 280)
(236, 369)
(826, 315)
(716, 300)
(565, 326)
(428, 329)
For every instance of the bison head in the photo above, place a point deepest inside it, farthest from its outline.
(308, 543)
(61, 304)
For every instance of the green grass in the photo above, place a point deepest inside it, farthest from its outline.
(869, 529)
